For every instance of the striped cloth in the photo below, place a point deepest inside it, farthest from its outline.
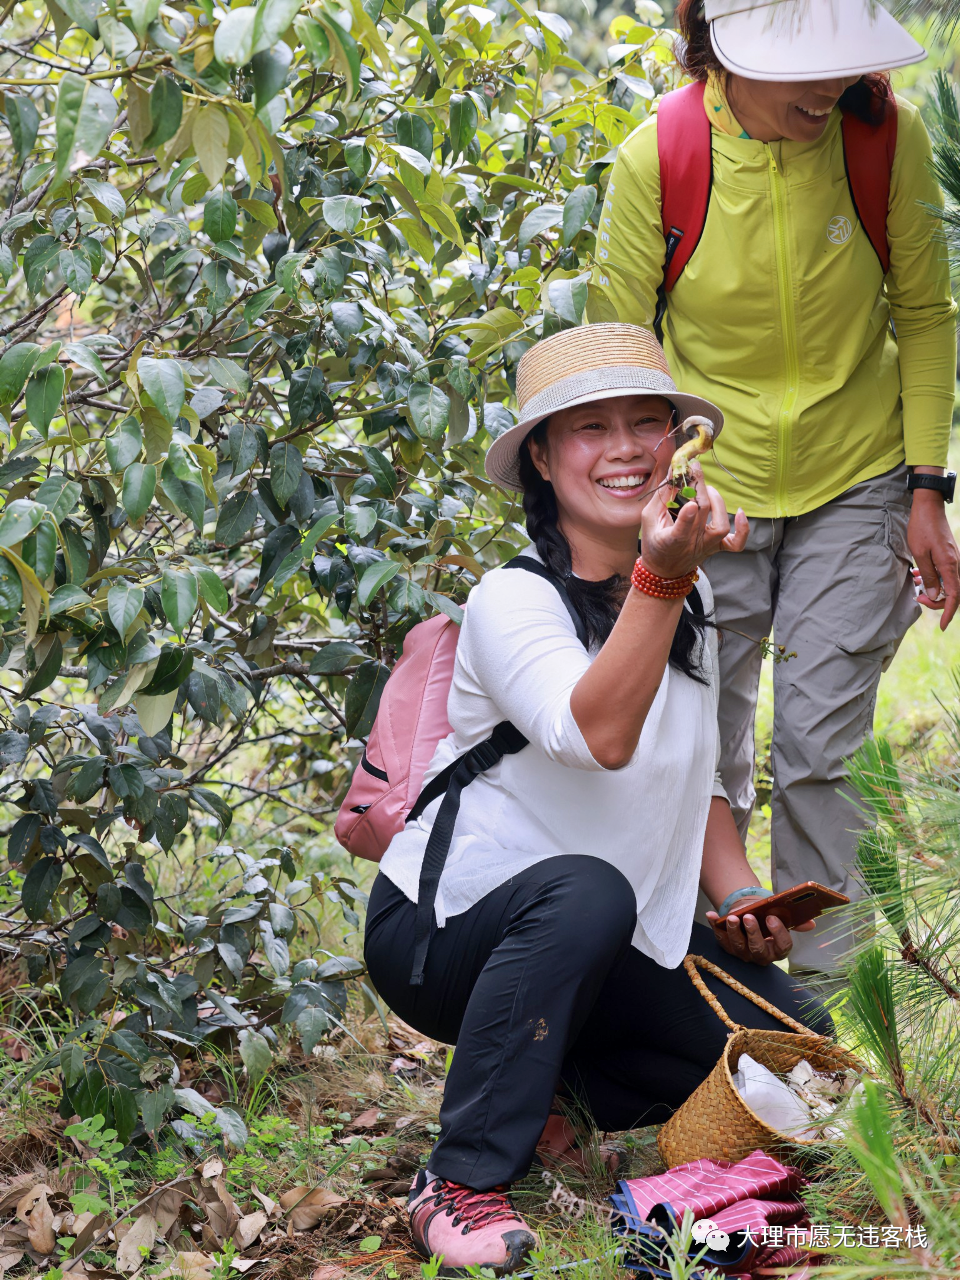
(753, 1201)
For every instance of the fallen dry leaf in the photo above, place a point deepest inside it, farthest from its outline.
(212, 1168)
(306, 1207)
(189, 1266)
(41, 1233)
(15, 1048)
(222, 1213)
(249, 1228)
(86, 1227)
(136, 1245)
(272, 1207)
(29, 1198)
(366, 1119)
(329, 1271)
(10, 1258)
(403, 1064)
(166, 1208)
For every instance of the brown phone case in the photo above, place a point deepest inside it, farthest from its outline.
(794, 906)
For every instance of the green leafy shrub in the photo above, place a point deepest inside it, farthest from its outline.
(268, 273)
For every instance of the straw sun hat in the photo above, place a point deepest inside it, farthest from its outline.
(579, 366)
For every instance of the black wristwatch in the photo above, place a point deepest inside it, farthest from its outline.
(942, 484)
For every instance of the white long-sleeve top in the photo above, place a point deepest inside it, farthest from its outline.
(518, 659)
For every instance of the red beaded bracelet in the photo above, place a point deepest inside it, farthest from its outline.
(662, 588)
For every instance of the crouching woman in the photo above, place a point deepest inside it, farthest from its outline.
(566, 903)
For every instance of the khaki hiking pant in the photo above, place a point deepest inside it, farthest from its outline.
(834, 587)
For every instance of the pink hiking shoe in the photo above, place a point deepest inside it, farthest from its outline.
(467, 1228)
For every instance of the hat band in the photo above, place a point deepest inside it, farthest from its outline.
(580, 386)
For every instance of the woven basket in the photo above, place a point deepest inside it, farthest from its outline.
(715, 1122)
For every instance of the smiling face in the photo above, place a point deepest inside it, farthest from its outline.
(798, 111)
(604, 460)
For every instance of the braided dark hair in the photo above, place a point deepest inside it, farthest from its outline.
(597, 603)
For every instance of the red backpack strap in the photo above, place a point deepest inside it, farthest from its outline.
(868, 152)
(686, 175)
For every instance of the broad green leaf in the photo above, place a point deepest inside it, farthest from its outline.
(288, 272)
(154, 711)
(143, 12)
(363, 697)
(306, 394)
(237, 517)
(211, 138)
(16, 365)
(41, 883)
(381, 469)
(344, 50)
(541, 219)
(139, 486)
(124, 447)
(163, 381)
(23, 121)
(255, 1054)
(464, 119)
(312, 1025)
(233, 39)
(374, 577)
(220, 216)
(86, 358)
(263, 299)
(166, 110)
(18, 519)
(430, 410)
(124, 602)
(270, 67)
(47, 669)
(118, 39)
(229, 374)
(59, 495)
(577, 209)
(179, 597)
(212, 589)
(83, 13)
(11, 591)
(342, 213)
(43, 396)
(108, 196)
(76, 271)
(286, 468)
(335, 657)
(84, 117)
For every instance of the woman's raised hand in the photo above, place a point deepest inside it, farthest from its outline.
(672, 548)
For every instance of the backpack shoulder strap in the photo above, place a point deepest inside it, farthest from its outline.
(686, 177)
(541, 570)
(868, 153)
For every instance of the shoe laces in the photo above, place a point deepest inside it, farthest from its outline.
(474, 1209)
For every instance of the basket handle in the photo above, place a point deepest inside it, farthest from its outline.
(691, 962)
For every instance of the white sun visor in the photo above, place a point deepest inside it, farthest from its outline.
(808, 39)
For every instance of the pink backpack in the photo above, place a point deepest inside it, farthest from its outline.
(411, 721)
(387, 788)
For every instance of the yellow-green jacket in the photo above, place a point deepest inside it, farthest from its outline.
(783, 316)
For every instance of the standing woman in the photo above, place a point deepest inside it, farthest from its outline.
(829, 340)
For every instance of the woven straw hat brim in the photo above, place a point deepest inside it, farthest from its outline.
(502, 462)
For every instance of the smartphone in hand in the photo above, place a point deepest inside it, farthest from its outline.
(793, 906)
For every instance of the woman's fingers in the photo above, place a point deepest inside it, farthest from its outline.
(737, 540)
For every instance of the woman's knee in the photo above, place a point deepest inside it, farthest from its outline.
(590, 892)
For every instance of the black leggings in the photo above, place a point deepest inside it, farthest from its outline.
(540, 989)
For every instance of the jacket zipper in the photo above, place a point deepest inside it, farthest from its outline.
(788, 323)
